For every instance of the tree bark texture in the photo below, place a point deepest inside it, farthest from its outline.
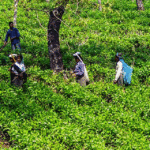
(100, 6)
(15, 12)
(139, 5)
(55, 56)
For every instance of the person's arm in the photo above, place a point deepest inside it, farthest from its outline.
(6, 39)
(23, 68)
(119, 66)
(17, 33)
(12, 38)
(11, 69)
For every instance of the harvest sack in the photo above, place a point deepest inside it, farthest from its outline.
(82, 81)
(127, 72)
(86, 75)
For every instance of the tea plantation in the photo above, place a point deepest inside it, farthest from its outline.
(50, 112)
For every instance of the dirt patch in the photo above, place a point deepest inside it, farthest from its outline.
(4, 140)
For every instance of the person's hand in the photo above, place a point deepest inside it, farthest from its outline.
(115, 81)
(21, 75)
(9, 69)
(12, 64)
(74, 75)
(5, 43)
(13, 38)
(71, 72)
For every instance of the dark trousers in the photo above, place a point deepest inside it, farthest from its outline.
(17, 80)
(120, 80)
(16, 47)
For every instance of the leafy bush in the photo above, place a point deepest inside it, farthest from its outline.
(51, 112)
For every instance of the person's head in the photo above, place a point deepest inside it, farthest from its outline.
(118, 56)
(19, 58)
(77, 57)
(11, 25)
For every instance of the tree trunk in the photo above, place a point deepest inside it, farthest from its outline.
(47, 1)
(100, 6)
(139, 5)
(15, 12)
(56, 62)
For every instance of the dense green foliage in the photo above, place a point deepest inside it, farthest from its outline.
(52, 113)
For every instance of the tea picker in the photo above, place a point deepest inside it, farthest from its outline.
(18, 75)
(80, 71)
(123, 71)
(14, 35)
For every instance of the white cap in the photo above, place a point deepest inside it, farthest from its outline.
(76, 54)
(12, 55)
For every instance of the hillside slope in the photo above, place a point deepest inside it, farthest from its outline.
(53, 113)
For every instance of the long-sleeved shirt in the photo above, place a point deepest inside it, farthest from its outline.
(12, 34)
(79, 69)
(118, 70)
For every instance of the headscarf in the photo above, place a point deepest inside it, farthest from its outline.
(77, 55)
(12, 55)
(119, 55)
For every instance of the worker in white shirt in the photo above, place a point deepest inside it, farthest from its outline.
(18, 70)
(119, 67)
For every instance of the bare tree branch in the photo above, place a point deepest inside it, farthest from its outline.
(77, 6)
(100, 6)
(15, 12)
(40, 23)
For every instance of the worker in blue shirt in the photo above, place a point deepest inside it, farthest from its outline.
(14, 35)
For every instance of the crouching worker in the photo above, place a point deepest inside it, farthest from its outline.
(18, 75)
(123, 71)
(80, 71)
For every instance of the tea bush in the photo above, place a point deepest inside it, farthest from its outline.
(51, 112)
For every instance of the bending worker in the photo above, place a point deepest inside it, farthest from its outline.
(119, 67)
(18, 75)
(123, 71)
(80, 70)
